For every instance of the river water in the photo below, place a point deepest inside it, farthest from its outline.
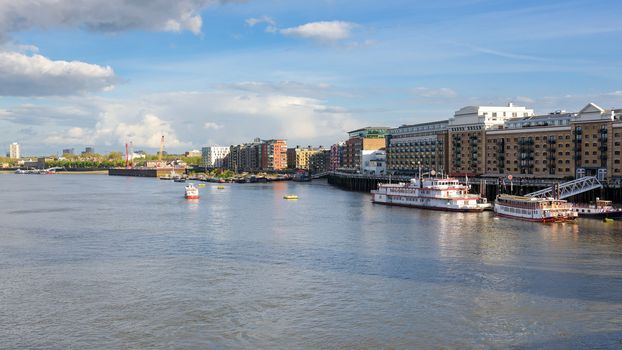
(98, 262)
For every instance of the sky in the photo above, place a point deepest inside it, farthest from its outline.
(77, 73)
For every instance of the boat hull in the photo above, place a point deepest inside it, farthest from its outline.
(613, 214)
(461, 210)
(192, 197)
(543, 220)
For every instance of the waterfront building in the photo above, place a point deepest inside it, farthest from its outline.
(88, 150)
(373, 162)
(409, 146)
(597, 135)
(558, 145)
(319, 161)
(299, 158)
(214, 156)
(245, 157)
(68, 151)
(14, 151)
(267, 155)
(291, 158)
(365, 139)
(337, 156)
(536, 146)
(467, 135)
(273, 155)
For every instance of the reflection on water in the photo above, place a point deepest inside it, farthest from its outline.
(107, 262)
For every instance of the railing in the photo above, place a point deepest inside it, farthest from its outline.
(568, 189)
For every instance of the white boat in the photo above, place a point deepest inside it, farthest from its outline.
(192, 192)
(598, 210)
(534, 209)
(437, 194)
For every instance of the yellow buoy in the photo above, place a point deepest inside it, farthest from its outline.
(221, 187)
(290, 196)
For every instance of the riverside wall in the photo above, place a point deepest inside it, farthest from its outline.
(141, 172)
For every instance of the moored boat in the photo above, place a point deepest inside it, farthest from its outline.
(434, 193)
(192, 192)
(534, 209)
(599, 209)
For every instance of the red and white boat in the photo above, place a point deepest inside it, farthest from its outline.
(436, 194)
(534, 209)
(192, 192)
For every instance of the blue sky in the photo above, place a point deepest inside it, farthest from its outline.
(100, 73)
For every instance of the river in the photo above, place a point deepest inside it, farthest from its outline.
(98, 262)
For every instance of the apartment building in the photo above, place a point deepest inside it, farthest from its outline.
(556, 145)
(214, 156)
(467, 135)
(273, 155)
(14, 151)
(409, 146)
(365, 139)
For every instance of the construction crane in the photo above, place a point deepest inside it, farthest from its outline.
(161, 147)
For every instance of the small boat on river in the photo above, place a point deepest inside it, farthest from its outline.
(192, 192)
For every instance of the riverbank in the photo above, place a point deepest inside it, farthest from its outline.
(79, 172)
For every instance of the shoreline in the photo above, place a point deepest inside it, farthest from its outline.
(94, 172)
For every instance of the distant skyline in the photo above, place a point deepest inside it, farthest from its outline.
(102, 72)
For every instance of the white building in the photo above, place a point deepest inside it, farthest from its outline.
(373, 162)
(486, 117)
(193, 153)
(214, 156)
(14, 152)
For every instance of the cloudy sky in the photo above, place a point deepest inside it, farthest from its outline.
(76, 73)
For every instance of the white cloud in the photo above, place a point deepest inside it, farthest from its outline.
(251, 22)
(211, 125)
(435, 92)
(104, 15)
(36, 75)
(72, 136)
(181, 116)
(322, 31)
(146, 131)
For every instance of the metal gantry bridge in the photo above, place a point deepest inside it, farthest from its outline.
(568, 189)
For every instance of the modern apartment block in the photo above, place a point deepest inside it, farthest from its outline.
(299, 158)
(214, 156)
(14, 151)
(319, 161)
(245, 157)
(337, 156)
(267, 155)
(365, 139)
(273, 155)
(409, 146)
